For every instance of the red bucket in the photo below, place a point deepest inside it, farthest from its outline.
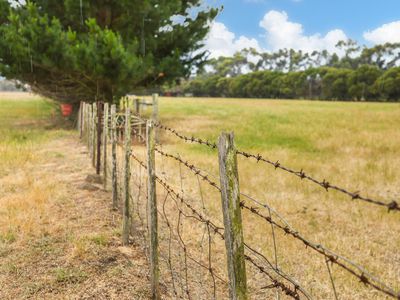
(66, 110)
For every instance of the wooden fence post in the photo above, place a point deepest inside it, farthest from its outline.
(105, 141)
(137, 111)
(98, 139)
(114, 156)
(84, 124)
(230, 195)
(154, 115)
(152, 209)
(83, 117)
(80, 119)
(126, 213)
(89, 129)
(94, 133)
(137, 107)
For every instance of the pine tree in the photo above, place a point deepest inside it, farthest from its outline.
(71, 50)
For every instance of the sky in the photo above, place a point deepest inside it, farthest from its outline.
(306, 25)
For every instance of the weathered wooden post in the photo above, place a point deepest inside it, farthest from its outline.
(137, 107)
(89, 129)
(98, 138)
(83, 117)
(114, 156)
(152, 209)
(126, 213)
(230, 195)
(105, 141)
(94, 133)
(154, 115)
(137, 112)
(80, 119)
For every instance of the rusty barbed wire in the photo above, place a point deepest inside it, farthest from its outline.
(278, 271)
(198, 171)
(392, 206)
(276, 284)
(185, 138)
(191, 167)
(319, 248)
(217, 230)
(365, 277)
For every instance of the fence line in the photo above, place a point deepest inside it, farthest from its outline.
(120, 126)
(331, 256)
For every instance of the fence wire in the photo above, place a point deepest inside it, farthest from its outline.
(192, 261)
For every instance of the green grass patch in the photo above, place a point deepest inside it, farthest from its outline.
(298, 126)
(69, 275)
(25, 124)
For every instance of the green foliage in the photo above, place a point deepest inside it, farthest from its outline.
(388, 85)
(364, 83)
(358, 74)
(103, 49)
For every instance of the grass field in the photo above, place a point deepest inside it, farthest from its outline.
(25, 123)
(353, 145)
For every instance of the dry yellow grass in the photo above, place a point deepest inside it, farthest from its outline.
(57, 239)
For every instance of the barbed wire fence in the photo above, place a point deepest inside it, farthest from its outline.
(191, 224)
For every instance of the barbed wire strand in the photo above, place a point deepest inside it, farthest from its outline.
(391, 206)
(278, 271)
(186, 138)
(365, 275)
(217, 230)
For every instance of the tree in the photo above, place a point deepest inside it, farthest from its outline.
(361, 82)
(102, 49)
(388, 84)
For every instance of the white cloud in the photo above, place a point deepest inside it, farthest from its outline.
(387, 33)
(222, 42)
(282, 33)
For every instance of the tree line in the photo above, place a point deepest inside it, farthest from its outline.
(351, 73)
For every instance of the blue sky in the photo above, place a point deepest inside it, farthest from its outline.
(313, 23)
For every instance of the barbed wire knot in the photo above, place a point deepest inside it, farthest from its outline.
(355, 196)
(393, 206)
(326, 184)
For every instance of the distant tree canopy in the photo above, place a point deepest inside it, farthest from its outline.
(102, 49)
(357, 74)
